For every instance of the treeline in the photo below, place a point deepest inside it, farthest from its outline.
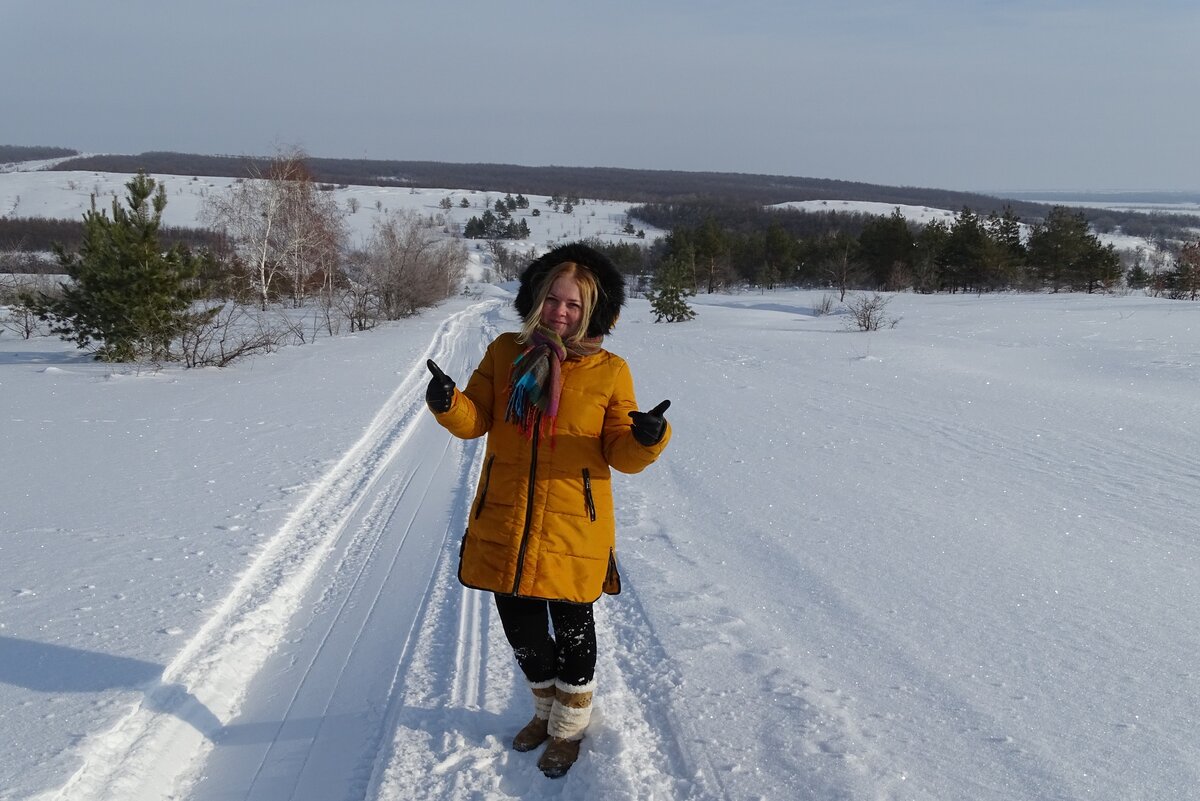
(1154, 227)
(722, 245)
(14, 153)
(25, 241)
(637, 186)
(602, 183)
(745, 218)
(281, 271)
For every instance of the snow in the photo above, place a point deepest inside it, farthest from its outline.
(924, 215)
(921, 215)
(27, 192)
(954, 559)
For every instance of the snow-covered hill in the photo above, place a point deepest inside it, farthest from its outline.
(951, 560)
(923, 215)
(29, 192)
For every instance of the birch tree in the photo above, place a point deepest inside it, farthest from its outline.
(281, 227)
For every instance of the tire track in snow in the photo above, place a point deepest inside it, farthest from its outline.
(323, 741)
(335, 690)
(450, 715)
(461, 698)
(649, 740)
(161, 740)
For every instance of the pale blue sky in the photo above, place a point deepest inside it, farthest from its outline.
(984, 95)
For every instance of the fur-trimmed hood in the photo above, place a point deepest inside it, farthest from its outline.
(612, 284)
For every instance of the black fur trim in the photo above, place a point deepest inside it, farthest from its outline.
(612, 284)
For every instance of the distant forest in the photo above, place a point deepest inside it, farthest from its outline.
(651, 187)
(14, 153)
(601, 183)
(684, 203)
(723, 229)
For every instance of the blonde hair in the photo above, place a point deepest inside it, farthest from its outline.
(589, 291)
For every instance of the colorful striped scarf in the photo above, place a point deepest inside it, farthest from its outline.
(535, 380)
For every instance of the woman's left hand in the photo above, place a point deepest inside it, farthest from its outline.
(649, 427)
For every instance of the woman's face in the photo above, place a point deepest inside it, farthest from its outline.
(563, 308)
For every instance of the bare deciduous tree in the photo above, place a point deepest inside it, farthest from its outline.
(407, 266)
(840, 262)
(280, 225)
(506, 261)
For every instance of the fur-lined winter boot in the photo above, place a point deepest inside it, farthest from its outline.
(535, 731)
(569, 717)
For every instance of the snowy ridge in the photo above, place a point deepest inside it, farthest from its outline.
(152, 747)
(951, 560)
(67, 195)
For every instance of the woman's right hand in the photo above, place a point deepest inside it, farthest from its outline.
(439, 395)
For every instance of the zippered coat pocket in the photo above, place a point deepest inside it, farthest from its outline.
(589, 504)
(487, 480)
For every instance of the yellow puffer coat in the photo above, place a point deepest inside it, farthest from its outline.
(541, 524)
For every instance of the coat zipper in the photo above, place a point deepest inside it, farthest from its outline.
(587, 495)
(537, 424)
(487, 481)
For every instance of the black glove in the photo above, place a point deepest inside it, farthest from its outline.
(440, 392)
(649, 427)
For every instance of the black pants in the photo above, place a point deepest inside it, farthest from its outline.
(569, 654)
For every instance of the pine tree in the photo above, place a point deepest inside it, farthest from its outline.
(886, 247)
(127, 299)
(669, 297)
(1187, 272)
(1064, 253)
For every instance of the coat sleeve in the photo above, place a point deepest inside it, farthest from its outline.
(621, 450)
(471, 412)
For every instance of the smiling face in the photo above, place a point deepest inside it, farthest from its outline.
(563, 308)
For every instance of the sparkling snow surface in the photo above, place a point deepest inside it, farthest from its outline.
(955, 559)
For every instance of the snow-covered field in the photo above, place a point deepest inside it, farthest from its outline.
(924, 215)
(956, 559)
(950, 560)
(27, 191)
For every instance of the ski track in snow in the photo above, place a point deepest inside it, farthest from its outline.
(155, 751)
(348, 662)
(461, 699)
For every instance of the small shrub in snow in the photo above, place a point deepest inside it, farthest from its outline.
(22, 318)
(868, 312)
(220, 335)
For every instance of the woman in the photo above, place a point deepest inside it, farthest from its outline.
(559, 412)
